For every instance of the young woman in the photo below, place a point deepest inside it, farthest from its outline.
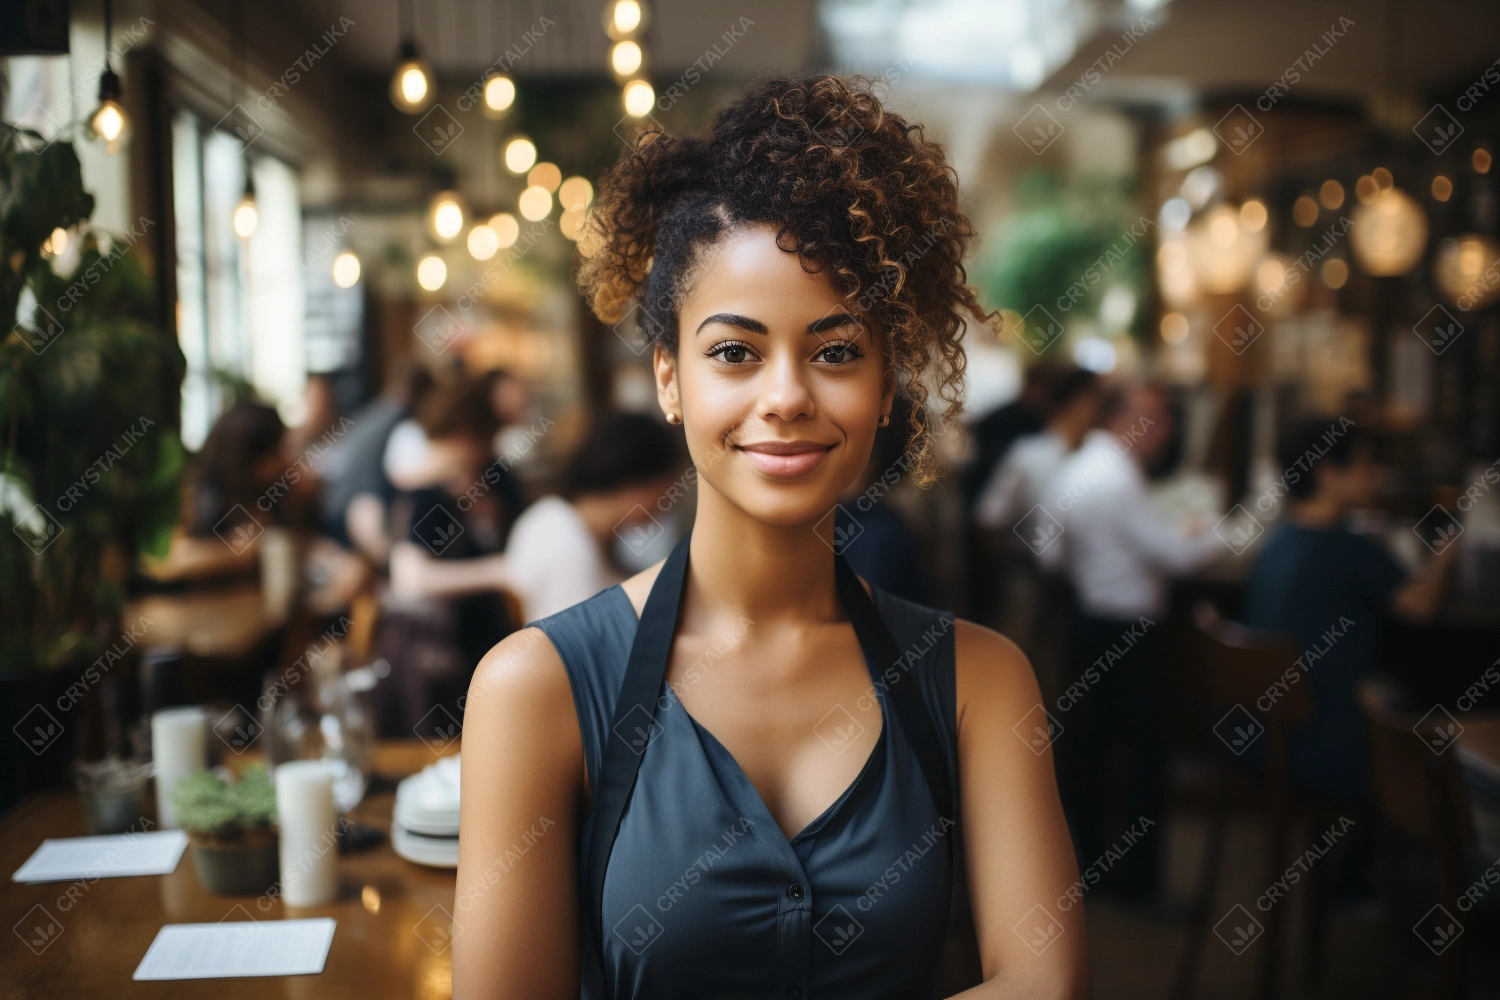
(742, 773)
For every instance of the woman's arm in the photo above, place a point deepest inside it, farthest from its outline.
(415, 574)
(515, 912)
(1016, 845)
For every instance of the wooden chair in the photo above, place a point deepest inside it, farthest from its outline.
(1241, 664)
(1422, 796)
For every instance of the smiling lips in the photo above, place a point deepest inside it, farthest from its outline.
(785, 459)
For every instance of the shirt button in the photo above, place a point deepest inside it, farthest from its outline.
(795, 891)
(794, 992)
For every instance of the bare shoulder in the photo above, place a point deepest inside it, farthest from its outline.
(992, 674)
(638, 587)
(525, 666)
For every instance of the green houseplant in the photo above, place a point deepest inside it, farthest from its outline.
(231, 829)
(90, 458)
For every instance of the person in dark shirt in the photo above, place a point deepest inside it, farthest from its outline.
(1329, 588)
(869, 531)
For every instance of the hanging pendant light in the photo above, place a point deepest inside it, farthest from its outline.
(109, 121)
(246, 216)
(412, 84)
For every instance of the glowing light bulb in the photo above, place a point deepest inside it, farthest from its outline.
(520, 154)
(412, 83)
(346, 269)
(625, 17)
(246, 218)
(499, 93)
(447, 216)
(534, 203)
(638, 97)
(626, 58)
(432, 273)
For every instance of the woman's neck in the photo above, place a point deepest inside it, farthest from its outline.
(742, 567)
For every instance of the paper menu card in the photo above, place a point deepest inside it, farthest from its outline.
(64, 859)
(238, 948)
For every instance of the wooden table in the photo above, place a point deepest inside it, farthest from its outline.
(211, 622)
(390, 940)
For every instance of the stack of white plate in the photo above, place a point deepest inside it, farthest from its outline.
(425, 825)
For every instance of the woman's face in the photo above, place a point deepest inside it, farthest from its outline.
(779, 388)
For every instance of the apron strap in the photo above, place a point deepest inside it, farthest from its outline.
(634, 722)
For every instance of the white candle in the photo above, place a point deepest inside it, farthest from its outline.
(309, 848)
(179, 747)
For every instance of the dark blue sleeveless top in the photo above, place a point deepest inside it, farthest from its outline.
(704, 896)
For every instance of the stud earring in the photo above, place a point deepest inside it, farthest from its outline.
(885, 419)
(673, 418)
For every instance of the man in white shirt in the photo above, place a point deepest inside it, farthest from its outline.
(1097, 525)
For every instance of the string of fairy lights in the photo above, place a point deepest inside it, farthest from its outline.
(413, 87)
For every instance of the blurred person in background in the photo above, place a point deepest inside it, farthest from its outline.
(1029, 598)
(357, 493)
(321, 405)
(559, 551)
(1102, 532)
(881, 546)
(1330, 588)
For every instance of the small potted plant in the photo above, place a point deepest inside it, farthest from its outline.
(231, 828)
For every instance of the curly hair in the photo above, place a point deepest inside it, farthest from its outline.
(853, 189)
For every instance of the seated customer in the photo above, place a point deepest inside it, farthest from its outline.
(1329, 587)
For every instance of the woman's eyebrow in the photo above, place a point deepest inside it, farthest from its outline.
(735, 320)
(833, 321)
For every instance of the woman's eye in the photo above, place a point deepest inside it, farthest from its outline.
(837, 354)
(734, 354)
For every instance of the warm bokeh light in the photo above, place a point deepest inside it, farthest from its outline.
(626, 58)
(1174, 328)
(1335, 273)
(570, 223)
(412, 84)
(246, 218)
(1481, 160)
(1253, 215)
(1442, 188)
(1389, 235)
(1270, 276)
(1223, 230)
(1366, 190)
(56, 243)
(575, 192)
(346, 269)
(499, 93)
(638, 98)
(483, 243)
(506, 229)
(447, 216)
(1331, 194)
(520, 154)
(534, 203)
(1383, 178)
(1305, 211)
(544, 175)
(432, 273)
(1459, 270)
(108, 122)
(624, 18)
